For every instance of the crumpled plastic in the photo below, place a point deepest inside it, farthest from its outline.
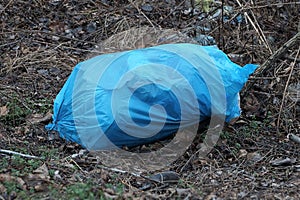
(140, 96)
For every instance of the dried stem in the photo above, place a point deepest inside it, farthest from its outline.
(285, 89)
(19, 154)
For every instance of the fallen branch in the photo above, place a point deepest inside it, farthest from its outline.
(19, 154)
(6, 6)
(120, 171)
(256, 27)
(267, 65)
(127, 172)
(279, 53)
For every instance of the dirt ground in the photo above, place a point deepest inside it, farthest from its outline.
(256, 157)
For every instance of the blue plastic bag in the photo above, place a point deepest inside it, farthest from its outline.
(140, 96)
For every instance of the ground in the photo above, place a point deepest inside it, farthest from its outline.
(41, 42)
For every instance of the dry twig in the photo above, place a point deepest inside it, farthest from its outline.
(6, 6)
(126, 172)
(279, 53)
(19, 154)
(284, 48)
(141, 12)
(256, 27)
(285, 89)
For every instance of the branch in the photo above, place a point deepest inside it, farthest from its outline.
(19, 154)
(268, 64)
(278, 54)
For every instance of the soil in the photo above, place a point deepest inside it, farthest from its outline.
(257, 155)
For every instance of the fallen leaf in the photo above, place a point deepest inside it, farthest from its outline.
(43, 170)
(254, 157)
(242, 153)
(9, 178)
(3, 111)
(2, 189)
(39, 178)
(39, 118)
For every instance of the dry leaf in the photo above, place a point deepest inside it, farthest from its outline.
(42, 170)
(254, 157)
(40, 174)
(2, 189)
(39, 118)
(38, 178)
(9, 178)
(3, 111)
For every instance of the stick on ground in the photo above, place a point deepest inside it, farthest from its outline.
(268, 64)
(19, 154)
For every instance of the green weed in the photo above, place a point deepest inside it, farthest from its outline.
(80, 191)
(20, 107)
(18, 165)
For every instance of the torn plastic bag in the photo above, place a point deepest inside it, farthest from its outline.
(141, 96)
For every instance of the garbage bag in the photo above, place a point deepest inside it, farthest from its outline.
(140, 96)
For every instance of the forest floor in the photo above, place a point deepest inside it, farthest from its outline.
(257, 157)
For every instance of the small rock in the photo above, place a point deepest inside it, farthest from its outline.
(12, 37)
(54, 71)
(147, 7)
(182, 191)
(105, 2)
(43, 72)
(283, 162)
(78, 30)
(55, 38)
(68, 31)
(186, 12)
(44, 20)
(91, 27)
(165, 177)
(55, 2)
(294, 138)
(275, 185)
(253, 197)
(214, 182)
(242, 195)
(205, 40)
(16, 47)
(265, 184)
(219, 173)
(271, 39)
(57, 175)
